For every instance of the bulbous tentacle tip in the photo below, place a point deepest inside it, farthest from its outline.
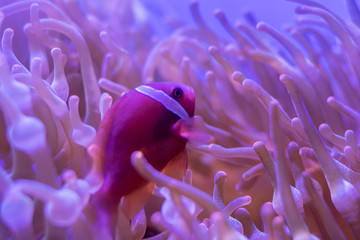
(293, 147)
(302, 9)
(258, 145)
(220, 177)
(13, 202)
(285, 78)
(219, 14)
(331, 100)
(210, 76)
(213, 50)
(56, 52)
(262, 26)
(238, 76)
(64, 208)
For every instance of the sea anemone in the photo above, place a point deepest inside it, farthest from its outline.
(281, 107)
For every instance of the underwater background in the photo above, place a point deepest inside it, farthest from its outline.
(273, 149)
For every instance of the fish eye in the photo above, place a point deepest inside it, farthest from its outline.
(177, 93)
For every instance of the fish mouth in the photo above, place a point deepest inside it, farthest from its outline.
(191, 100)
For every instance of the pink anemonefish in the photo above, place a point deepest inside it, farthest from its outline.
(149, 119)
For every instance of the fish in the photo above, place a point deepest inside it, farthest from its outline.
(146, 119)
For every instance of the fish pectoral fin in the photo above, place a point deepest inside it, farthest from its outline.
(177, 166)
(132, 203)
(193, 129)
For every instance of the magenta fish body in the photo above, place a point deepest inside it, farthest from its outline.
(138, 122)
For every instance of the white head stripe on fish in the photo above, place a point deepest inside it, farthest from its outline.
(169, 103)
